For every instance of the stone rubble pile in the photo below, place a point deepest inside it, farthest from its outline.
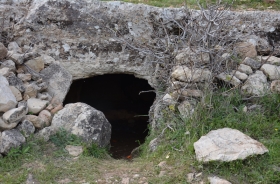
(29, 93)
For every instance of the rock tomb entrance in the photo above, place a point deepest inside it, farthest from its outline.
(125, 100)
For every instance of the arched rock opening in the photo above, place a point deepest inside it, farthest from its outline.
(118, 97)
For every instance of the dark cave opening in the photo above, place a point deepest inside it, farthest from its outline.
(118, 97)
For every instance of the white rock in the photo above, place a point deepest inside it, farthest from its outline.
(229, 79)
(275, 86)
(6, 126)
(4, 71)
(168, 99)
(226, 145)
(30, 91)
(255, 85)
(36, 105)
(272, 71)
(240, 75)
(217, 180)
(16, 93)
(186, 74)
(15, 115)
(84, 121)
(7, 98)
(24, 77)
(271, 60)
(74, 150)
(13, 46)
(245, 69)
(47, 59)
(8, 64)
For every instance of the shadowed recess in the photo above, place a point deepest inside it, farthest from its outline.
(118, 97)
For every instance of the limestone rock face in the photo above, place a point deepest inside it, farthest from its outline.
(36, 105)
(7, 98)
(226, 145)
(85, 121)
(59, 80)
(186, 74)
(255, 85)
(10, 139)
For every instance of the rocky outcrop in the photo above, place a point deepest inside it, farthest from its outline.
(226, 145)
(82, 120)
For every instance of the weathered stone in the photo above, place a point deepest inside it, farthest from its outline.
(57, 108)
(24, 77)
(272, 71)
(59, 81)
(13, 46)
(168, 99)
(30, 91)
(14, 81)
(18, 58)
(240, 75)
(44, 96)
(16, 93)
(270, 59)
(45, 133)
(191, 55)
(8, 64)
(255, 85)
(275, 86)
(245, 69)
(74, 150)
(36, 105)
(226, 145)
(46, 116)
(217, 180)
(4, 71)
(7, 98)
(255, 64)
(35, 64)
(183, 93)
(10, 139)
(186, 108)
(26, 128)
(153, 144)
(3, 51)
(186, 74)
(85, 121)
(229, 79)
(246, 49)
(6, 126)
(47, 60)
(36, 121)
(15, 115)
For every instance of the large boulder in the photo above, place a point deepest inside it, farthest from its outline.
(83, 120)
(10, 139)
(226, 145)
(59, 81)
(255, 85)
(7, 98)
